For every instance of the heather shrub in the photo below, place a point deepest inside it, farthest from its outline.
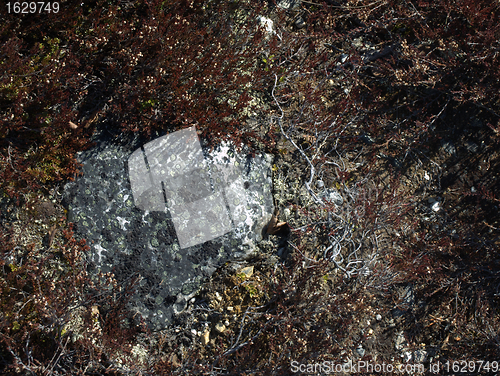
(387, 104)
(56, 318)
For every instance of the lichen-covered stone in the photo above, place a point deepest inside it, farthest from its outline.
(136, 243)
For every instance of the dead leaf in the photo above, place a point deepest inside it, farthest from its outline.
(52, 234)
(274, 226)
(73, 125)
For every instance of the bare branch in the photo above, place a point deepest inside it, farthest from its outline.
(312, 170)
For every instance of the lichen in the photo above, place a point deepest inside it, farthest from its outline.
(144, 243)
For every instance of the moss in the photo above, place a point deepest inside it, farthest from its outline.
(64, 331)
(145, 105)
(12, 267)
(15, 326)
(252, 290)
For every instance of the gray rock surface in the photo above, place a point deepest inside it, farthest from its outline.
(147, 235)
(288, 4)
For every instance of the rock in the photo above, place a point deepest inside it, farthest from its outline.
(288, 4)
(205, 337)
(332, 195)
(168, 214)
(299, 23)
(408, 296)
(406, 355)
(435, 204)
(401, 342)
(449, 148)
(247, 271)
(360, 351)
(371, 56)
(472, 147)
(267, 24)
(420, 356)
(358, 43)
(220, 327)
(218, 297)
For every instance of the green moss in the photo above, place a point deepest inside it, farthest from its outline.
(252, 290)
(12, 267)
(268, 62)
(15, 326)
(145, 105)
(64, 331)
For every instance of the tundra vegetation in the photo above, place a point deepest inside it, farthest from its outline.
(384, 120)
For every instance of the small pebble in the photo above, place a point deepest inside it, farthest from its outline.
(205, 338)
(220, 327)
(300, 23)
(247, 271)
(286, 213)
(436, 206)
(360, 351)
